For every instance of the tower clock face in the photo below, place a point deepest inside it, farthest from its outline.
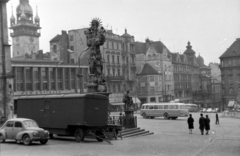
(31, 39)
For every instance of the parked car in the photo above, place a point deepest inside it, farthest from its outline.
(23, 130)
(204, 110)
(215, 110)
(209, 110)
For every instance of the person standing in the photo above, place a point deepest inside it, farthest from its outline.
(207, 124)
(190, 123)
(201, 123)
(217, 119)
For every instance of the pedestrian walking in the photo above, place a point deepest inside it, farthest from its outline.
(190, 123)
(207, 124)
(217, 119)
(201, 123)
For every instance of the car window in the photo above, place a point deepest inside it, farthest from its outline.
(30, 123)
(18, 125)
(10, 124)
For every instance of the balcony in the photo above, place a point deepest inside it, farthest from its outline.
(115, 78)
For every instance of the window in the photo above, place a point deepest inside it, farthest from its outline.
(18, 124)
(155, 107)
(113, 59)
(118, 72)
(72, 48)
(28, 86)
(53, 86)
(10, 124)
(160, 107)
(151, 79)
(118, 61)
(165, 106)
(108, 60)
(71, 38)
(230, 91)
(230, 71)
(28, 74)
(147, 107)
(151, 107)
(108, 71)
(113, 72)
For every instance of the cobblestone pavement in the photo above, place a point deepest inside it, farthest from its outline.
(171, 138)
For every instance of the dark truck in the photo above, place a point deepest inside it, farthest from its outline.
(75, 115)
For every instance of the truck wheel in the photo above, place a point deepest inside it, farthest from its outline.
(44, 141)
(2, 140)
(26, 139)
(79, 135)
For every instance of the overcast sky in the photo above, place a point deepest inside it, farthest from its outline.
(210, 25)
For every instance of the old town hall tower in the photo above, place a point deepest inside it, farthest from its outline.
(25, 30)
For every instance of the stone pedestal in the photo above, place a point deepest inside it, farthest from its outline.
(129, 119)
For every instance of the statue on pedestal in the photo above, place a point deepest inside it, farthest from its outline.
(95, 38)
(128, 101)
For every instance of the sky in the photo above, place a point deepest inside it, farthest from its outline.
(210, 25)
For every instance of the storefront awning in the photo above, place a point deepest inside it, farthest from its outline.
(231, 103)
(136, 100)
(116, 103)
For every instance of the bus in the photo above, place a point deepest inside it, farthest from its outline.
(192, 107)
(166, 110)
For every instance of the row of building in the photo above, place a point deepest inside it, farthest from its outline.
(148, 69)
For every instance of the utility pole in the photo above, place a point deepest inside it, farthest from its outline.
(3, 45)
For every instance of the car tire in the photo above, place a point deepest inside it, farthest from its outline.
(166, 116)
(2, 140)
(43, 141)
(26, 139)
(79, 135)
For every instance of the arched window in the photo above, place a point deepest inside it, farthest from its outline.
(108, 59)
(113, 59)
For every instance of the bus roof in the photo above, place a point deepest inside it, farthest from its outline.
(167, 103)
(190, 104)
(64, 96)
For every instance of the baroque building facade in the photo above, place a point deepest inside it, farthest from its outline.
(186, 69)
(156, 55)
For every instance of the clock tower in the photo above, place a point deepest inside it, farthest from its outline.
(25, 31)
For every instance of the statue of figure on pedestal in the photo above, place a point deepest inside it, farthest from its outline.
(128, 101)
(95, 38)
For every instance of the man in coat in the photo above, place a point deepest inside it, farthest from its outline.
(217, 119)
(207, 124)
(201, 123)
(190, 123)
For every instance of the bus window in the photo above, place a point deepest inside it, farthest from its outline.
(175, 106)
(146, 107)
(160, 107)
(143, 107)
(170, 107)
(150, 107)
(183, 107)
(155, 107)
(165, 106)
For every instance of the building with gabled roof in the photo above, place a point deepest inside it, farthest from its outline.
(230, 72)
(159, 58)
(149, 84)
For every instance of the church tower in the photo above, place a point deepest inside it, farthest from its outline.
(25, 32)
